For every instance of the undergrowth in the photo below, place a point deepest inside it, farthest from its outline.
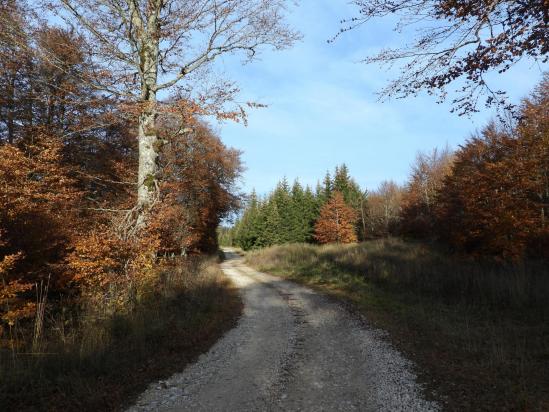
(94, 360)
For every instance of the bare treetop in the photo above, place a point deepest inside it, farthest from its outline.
(189, 34)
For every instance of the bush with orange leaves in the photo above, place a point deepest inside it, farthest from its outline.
(111, 273)
(36, 221)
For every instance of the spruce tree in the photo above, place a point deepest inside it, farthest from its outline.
(282, 198)
(247, 232)
(271, 234)
(311, 212)
(328, 186)
(297, 217)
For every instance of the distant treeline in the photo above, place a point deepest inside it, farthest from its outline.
(490, 197)
(289, 213)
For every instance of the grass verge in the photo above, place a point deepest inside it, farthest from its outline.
(477, 330)
(109, 362)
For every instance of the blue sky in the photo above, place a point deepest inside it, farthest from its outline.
(323, 109)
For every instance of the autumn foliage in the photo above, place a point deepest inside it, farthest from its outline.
(37, 220)
(495, 201)
(336, 223)
(68, 180)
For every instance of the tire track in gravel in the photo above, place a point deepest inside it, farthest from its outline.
(292, 350)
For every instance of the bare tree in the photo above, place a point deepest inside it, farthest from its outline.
(458, 40)
(427, 175)
(384, 207)
(151, 46)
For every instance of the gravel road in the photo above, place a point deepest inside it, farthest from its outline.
(292, 350)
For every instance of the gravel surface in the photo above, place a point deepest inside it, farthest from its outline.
(292, 350)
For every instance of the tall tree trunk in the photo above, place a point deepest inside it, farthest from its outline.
(148, 156)
(11, 106)
(363, 218)
(147, 133)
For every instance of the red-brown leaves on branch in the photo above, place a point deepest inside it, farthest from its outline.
(336, 223)
(37, 220)
(198, 189)
(458, 40)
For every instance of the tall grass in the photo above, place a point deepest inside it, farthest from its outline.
(405, 266)
(98, 360)
(479, 328)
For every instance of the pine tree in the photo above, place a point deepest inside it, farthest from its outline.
(311, 212)
(282, 198)
(272, 234)
(328, 187)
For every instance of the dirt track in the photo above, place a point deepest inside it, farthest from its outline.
(293, 350)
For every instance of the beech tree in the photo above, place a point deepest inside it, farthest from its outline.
(13, 69)
(384, 208)
(336, 223)
(458, 40)
(495, 201)
(419, 199)
(141, 48)
(68, 183)
(197, 190)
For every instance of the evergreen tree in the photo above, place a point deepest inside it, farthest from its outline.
(353, 196)
(304, 213)
(328, 186)
(311, 213)
(346, 185)
(298, 221)
(272, 233)
(248, 229)
(282, 199)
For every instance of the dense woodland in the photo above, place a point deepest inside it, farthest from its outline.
(70, 242)
(488, 198)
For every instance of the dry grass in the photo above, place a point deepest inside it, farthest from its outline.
(91, 362)
(478, 329)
